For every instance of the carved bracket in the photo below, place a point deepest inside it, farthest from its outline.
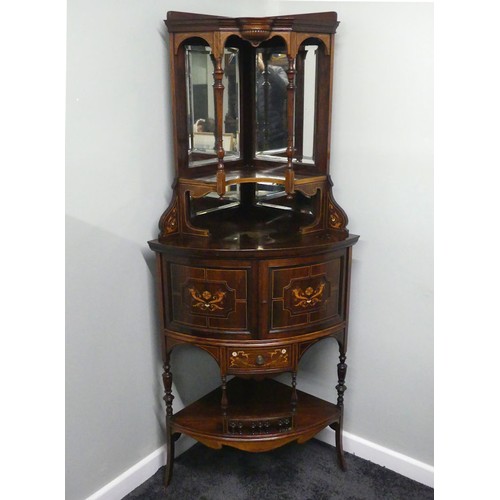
(336, 218)
(169, 221)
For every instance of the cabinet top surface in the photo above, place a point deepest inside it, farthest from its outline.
(256, 244)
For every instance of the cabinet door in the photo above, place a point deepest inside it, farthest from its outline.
(304, 294)
(208, 299)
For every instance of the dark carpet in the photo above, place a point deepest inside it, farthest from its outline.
(293, 472)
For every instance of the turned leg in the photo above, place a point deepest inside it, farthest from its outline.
(224, 402)
(168, 398)
(294, 389)
(341, 371)
(341, 388)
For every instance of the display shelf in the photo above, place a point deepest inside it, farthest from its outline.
(260, 416)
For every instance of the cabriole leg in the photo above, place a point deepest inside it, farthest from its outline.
(337, 427)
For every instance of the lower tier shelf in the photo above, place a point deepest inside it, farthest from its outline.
(259, 417)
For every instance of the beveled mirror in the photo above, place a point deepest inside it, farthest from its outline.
(271, 81)
(201, 112)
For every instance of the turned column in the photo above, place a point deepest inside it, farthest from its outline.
(289, 175)
(219, 93)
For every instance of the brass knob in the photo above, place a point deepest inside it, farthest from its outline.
(259, 360)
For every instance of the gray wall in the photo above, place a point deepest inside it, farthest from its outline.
(382, 167)
(119, 150)
(119, 172)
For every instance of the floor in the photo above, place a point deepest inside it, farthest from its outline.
(293, 472)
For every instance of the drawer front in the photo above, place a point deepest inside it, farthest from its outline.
(307, 295)
(254, 360)
(208, 298)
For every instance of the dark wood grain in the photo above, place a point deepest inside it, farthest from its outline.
(254, 402)
(257, 276)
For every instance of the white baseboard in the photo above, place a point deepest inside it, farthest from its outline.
(393, 460)
(143, 470)
(132, 478)
(140, 472)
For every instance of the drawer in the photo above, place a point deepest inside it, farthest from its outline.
(259, 359)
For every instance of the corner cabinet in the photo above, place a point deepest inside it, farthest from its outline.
(253, 254)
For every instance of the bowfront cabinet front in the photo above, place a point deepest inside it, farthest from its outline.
(253, 253)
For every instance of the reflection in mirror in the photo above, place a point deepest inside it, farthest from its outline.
(212, 202)
(231, 104)
(271, 98)
(267, 194)
(201, 112)
(201, 104)
(274, 196)
(305, 104)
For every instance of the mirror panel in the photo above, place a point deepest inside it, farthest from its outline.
(201, 105)
(271, 134)
(201, 112)
(305, 104)
(212, 202)
(231, 103)
(268, 194)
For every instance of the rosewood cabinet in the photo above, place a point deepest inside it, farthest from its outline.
(253, 253)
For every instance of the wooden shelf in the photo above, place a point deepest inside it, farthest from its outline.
(251, 174)
(261, 222)
(259, 417)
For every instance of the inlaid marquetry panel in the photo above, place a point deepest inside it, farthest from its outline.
(209, 298)
(306, 294)
(303, 295)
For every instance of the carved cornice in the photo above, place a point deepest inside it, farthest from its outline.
(255, 29)
(321, 22)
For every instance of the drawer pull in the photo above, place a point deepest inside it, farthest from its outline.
(259, 360)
